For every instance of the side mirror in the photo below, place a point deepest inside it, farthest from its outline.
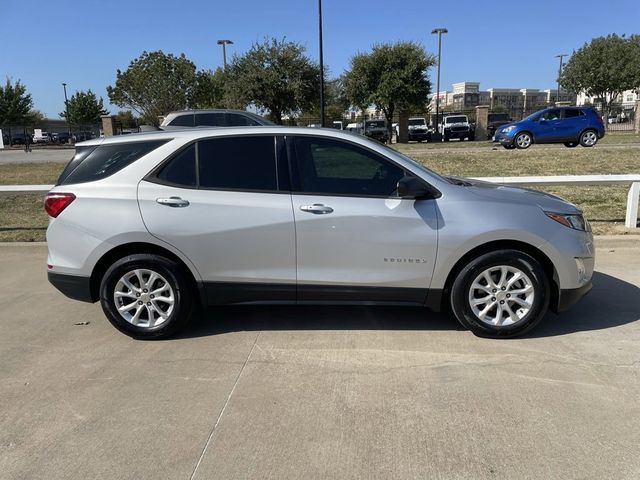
(413, 187)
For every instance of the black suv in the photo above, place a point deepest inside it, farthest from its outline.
(495, 121)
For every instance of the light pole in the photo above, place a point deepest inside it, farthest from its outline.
(224, 44)
(66, 111)
(439, 31)
(321, 64)
(561, 56)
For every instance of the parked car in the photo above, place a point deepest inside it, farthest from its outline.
(376, 129)
(82, 136)
(6, 138)
(572, 126)
(213, 118)
(495, 121)
(153, 224)
(62, 137)
(337, 124)
(354, 127)
(418, 130)
(456, 126)
(43, 137)
(20, 139)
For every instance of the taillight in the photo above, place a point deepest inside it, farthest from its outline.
(55, 203)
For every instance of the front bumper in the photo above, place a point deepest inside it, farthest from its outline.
(72, 286)
(570, 296)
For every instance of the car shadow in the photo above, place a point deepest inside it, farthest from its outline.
(611, 303)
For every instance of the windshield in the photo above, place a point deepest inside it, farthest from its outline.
(417, 121)
(534, 116)
(455, 120)
(376, 124)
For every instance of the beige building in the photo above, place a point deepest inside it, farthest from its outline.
(626, 100)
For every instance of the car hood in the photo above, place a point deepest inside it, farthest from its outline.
(506, 193)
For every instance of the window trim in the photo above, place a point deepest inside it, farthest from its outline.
(296, 188)
(152, 176)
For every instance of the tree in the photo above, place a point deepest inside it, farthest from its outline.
(155, 84)
(15, 103)
(126, 119)
(604, 68)
(275, 75)
(84, 109)
(210, 90)
(392, 76)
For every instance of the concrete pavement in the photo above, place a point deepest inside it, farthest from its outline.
(318, 392)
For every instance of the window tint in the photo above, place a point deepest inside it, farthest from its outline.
(572, 113)
(107, 159)
(553, 114)
(80, 155)
(211, 120)
(236, 120)
(181, 169)
(329, 167)
(238, 163)
(185, 120)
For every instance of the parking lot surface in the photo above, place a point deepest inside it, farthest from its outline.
(318, 392)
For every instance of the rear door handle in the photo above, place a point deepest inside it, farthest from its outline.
(317, 208)
(175, 202)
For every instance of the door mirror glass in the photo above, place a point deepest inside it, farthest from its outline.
(413, 187)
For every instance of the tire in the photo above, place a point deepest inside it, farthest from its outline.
(166, 318)
(509, 147)
(472, 138)
(588, 138)
(498, 321)
(523, 140)
(445, 138)
(570, 144)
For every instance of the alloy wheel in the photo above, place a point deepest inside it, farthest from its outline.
(144, 298)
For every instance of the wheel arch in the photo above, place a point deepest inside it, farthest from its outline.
(126, 249)
(525, 130)
(436, 302)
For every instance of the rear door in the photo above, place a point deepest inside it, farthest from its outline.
(221, 202)
(573, 122)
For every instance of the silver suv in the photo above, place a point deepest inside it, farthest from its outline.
(155, 224)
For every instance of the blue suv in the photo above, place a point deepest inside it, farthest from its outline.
(568, 125)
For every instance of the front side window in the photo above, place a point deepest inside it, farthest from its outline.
(331, 167)
(211, 119)
(237, 120)
(106, 159)
(238, 163)
(553, 114)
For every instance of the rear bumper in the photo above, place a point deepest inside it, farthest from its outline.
(72, 286)
(570, 296)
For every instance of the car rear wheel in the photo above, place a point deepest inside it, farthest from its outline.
(588, 138)
(570, 144)
(146, 296)
(500, 294)
(523, 140)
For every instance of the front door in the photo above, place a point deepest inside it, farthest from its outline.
(548, 126)
(355, 239)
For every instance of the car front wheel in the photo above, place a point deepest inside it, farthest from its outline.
(146, 296)
(588, 138)
(523, 140)
(570, 144)
(500, 294)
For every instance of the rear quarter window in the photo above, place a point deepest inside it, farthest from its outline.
(105, 160)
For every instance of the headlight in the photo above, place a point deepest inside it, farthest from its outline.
(508, 129)
(577, 222)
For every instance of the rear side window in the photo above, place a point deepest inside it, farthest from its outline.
(211, 119)
(185, 120)
(80, 155)
(105, 160)
(572, 113)
(238, 163)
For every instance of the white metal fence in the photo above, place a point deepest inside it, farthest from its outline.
(632, 180)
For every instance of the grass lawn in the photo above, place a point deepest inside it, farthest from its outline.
(23, 219)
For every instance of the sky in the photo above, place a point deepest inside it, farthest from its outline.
(499, 44)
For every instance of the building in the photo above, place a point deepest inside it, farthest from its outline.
(519, 102)
(623, 106)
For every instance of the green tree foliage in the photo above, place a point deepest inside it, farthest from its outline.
(210, 90)
(84, 109)
(604, 68)
(274, 75)
(126, 119)
(155, 84)
(15, 103)
(392, 76)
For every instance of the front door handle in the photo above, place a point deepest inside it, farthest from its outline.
(175, 202)
(317, 208)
